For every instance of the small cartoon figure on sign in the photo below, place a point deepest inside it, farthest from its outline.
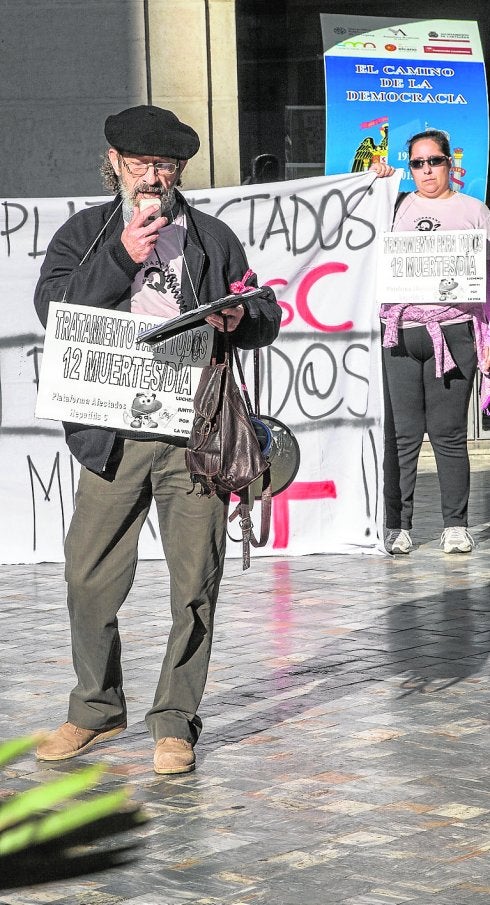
(446, 290)
(143, 406)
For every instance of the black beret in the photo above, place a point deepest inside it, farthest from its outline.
(148, 130)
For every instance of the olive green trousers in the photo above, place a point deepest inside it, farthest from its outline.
(101, 556)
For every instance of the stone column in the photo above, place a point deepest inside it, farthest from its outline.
(192, 71)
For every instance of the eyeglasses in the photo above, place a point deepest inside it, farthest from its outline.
(161, 169)
(418, 162)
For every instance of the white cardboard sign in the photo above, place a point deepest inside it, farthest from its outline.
(441, 267)
(95, 372)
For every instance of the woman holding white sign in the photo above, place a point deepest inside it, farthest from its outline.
(430, 356)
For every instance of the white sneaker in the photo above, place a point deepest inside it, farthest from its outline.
(457, 540)
(398, 541)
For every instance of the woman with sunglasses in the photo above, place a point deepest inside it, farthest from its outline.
(430, 356)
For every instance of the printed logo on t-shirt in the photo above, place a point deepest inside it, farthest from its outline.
(157, 288)
(161, 278)
(427, 224)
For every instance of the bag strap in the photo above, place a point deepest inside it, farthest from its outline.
(399, 198)
(242, 510)
(226, 341)
(257, 382)
(243, 385)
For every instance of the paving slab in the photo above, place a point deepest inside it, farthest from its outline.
(344, 755)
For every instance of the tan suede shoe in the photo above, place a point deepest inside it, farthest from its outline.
(69, 740)
(174, 755)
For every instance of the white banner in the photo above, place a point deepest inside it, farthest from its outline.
(314, 241)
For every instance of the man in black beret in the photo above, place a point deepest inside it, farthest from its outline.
(100, 257)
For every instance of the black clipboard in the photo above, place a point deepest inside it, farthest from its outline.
(193, 318)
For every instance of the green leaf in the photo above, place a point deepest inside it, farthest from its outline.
(25, 804)
(15, 747)
(60, 822)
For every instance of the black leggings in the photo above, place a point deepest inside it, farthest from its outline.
(416, 401)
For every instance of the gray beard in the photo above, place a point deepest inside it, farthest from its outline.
(166, 197)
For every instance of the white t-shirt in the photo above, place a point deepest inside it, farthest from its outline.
(156, 289)
(456, 212)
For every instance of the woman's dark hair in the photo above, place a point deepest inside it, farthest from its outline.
(436, 135)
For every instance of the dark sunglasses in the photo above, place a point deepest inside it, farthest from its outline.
(418, 162)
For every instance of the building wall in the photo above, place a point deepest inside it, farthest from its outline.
(65, 65)
(192, 56)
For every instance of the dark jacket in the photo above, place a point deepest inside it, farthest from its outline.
(214, 257)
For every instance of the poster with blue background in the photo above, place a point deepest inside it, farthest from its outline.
(384, 84)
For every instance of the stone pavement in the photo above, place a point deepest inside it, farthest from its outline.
(344, 756)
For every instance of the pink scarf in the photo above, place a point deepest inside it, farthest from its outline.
(432, 319)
